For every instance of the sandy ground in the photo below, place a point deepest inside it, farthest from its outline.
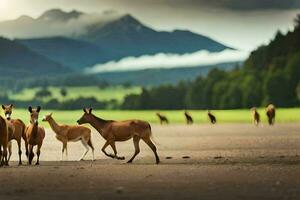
(226, 161)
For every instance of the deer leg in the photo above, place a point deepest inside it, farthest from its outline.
(104, 147)
(62, 151)
(153, 147)
(26, 148)
(38, 153)
(1, 156)
(86, 149)
(20, 151)
(136, 141)
(5, 160)
(66, 149)
(92, 147)
(9, 147)
(113, 146)
(30, 154)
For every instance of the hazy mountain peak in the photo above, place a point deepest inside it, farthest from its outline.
(24, 18)
(127, 23)
(58, 14)
(129, 20)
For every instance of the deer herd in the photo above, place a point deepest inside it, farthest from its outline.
(112, 131)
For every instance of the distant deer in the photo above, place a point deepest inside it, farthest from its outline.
(270, 111)
(188, 117)
(68, 133)
(34, 135)
(113, 131)
(18, 131)
(162, 118)
(211, 117)
(3, 141)
(256, 116)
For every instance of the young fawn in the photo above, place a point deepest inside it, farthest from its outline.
(69, 133)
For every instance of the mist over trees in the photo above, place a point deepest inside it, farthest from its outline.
(270, 75)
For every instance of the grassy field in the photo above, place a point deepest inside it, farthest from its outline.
(223, 116)
(117, 93)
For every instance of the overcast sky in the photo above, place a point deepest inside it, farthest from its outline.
(243, 24)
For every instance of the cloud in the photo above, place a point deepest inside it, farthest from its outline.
(162, 60)
(27, 27)
(246, 4)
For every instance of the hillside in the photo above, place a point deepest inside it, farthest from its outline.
(155, 77)
(18, 60)
(70, 52)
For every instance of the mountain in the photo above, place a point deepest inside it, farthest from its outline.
(51, 23)
(59, 15)
(17, 60)
(79, 40)
(129, 37)
(70, 52)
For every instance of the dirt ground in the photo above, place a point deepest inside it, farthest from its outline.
(225, 161)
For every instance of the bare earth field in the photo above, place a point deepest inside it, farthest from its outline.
(226, 161)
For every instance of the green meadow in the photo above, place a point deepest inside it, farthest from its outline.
(175, 117)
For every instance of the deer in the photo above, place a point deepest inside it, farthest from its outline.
(119, 131)
(162, 118)
(188, 117)
(270, 111)
(211, 117)
(69, 133)
(256, 116)
(35, 135)
(3, 141)
(16, 131)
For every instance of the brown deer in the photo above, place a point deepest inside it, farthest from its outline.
(188, 117)
(270, 111)
(3, 141)
(256, 116)
(17, 127)
(68, 133)
(162, 118)
(34, 135)
(113, 131)
(211, 117)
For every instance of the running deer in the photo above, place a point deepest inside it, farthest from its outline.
(3, 141)
(162, 118)
(34, 135)
(68, 133)
(211, 117)
(188, 117)
(16, 131)
(118, 131)
(256, 116)
(270, 111)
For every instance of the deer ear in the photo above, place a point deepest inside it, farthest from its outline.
(30, 109)
(90, 110)
(51, 114)
(38, 109)
(84, 110)
(3, 107)
(11, 105)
